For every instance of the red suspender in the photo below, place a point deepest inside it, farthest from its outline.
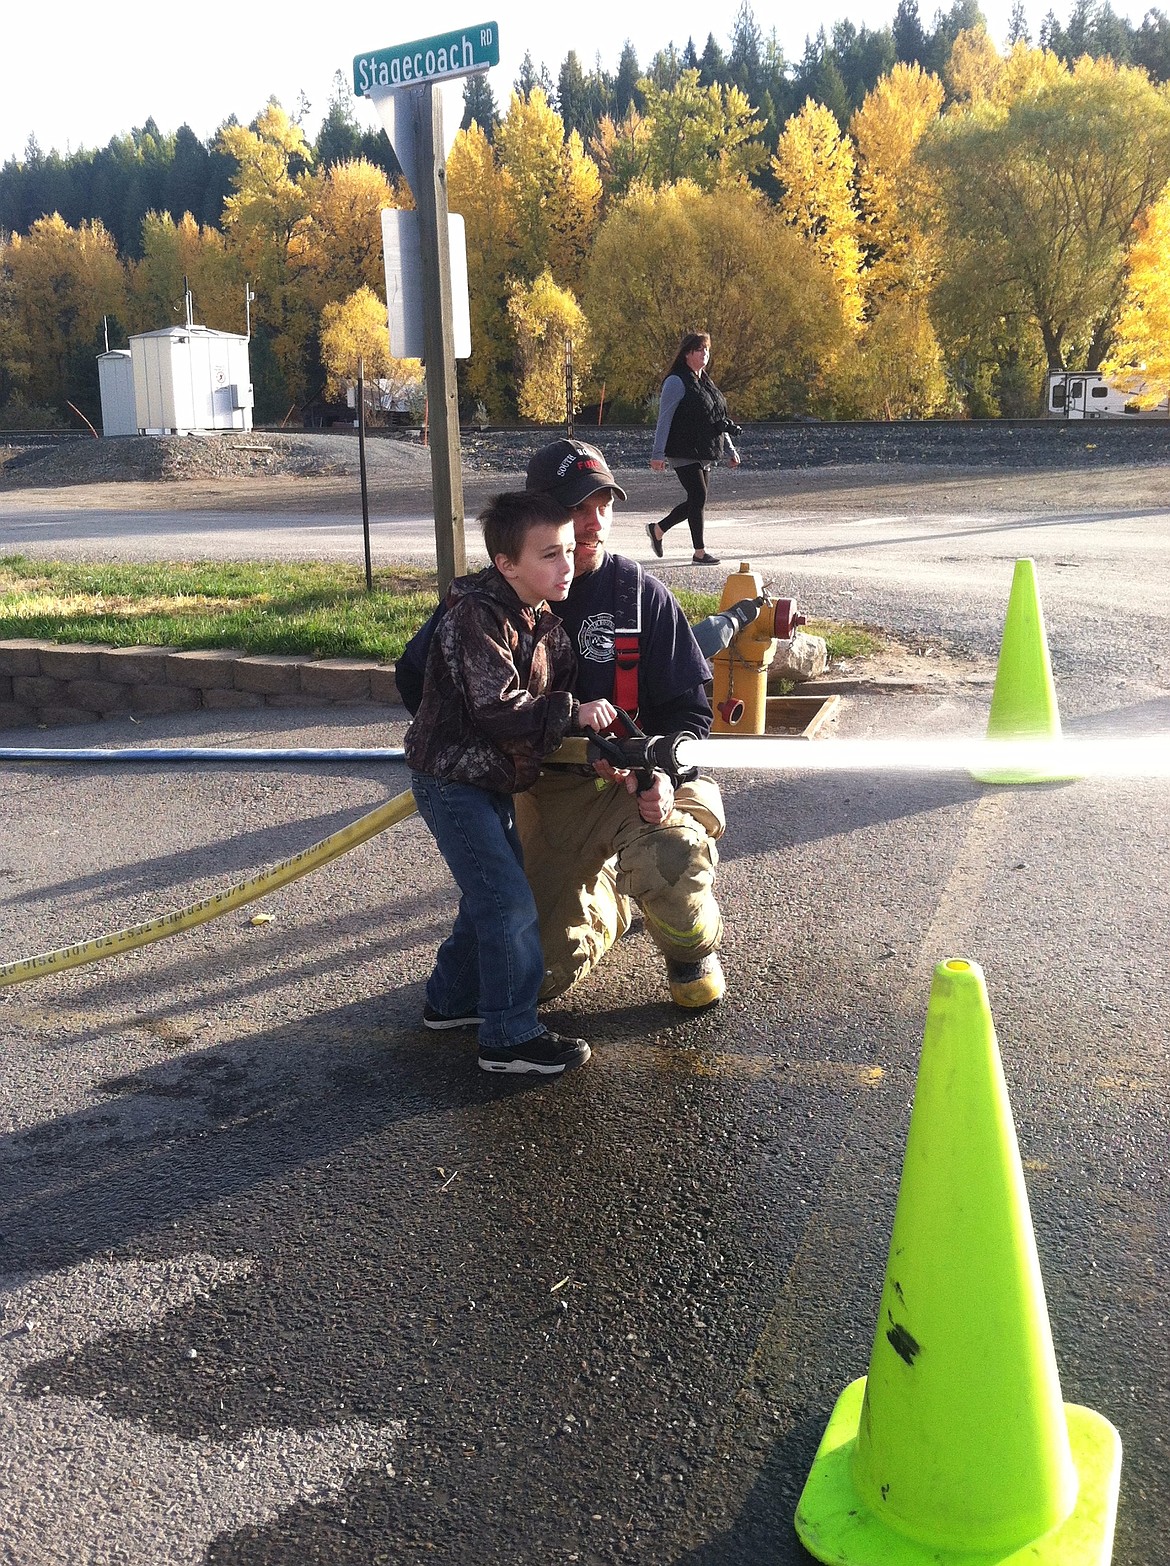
(626, 636)
(625, 674)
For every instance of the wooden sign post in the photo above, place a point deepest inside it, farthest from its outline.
(402, 81)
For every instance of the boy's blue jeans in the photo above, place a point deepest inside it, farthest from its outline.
(492, 963)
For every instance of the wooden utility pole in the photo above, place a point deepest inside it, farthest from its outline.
(430, 198)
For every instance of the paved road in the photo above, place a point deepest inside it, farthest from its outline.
(288, 1280)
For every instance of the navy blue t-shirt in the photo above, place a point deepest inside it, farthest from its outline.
(671, 670)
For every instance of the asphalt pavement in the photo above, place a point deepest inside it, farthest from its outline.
(286, 1279)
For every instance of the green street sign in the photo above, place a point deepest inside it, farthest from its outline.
(459, 53)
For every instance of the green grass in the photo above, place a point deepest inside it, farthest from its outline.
(318, 610)
(847, 641)
(312, 610)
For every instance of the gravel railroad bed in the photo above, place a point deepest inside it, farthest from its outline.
(1005, 444)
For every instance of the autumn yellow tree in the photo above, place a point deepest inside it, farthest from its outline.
(896, 369)
(263, 217)
(974, 68)
(899, 368)
(1039, 196)
(482, 192)
(173, 251)
(62, 281)
(553, 187)
(815, 167)
(708, 135)
(723, 261)
(1140, 356)
(356, 329)
(621, 150)
(338, 243)
(1027, 70)
(544, 318)
(898, 199)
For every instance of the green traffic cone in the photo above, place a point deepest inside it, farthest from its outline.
(957, 1450)
(1023, 702)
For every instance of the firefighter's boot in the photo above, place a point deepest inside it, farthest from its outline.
(696, 985)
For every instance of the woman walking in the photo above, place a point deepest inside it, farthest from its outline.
(693, 433)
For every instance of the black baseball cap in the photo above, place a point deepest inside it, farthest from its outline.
(570, 470)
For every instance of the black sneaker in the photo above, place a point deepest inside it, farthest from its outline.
(655, 541)
(705, 559)
(548, 1053)
(438, 1019)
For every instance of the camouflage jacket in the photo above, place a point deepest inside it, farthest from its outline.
(496, 696)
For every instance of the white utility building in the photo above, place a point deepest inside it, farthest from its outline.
(116, 380)
(190, 378)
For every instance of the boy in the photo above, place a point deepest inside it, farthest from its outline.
(496, 699)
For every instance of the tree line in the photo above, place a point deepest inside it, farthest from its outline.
(906, 223)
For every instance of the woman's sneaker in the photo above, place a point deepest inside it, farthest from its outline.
(548, 1053)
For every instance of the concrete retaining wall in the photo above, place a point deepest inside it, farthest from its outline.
(50, 683)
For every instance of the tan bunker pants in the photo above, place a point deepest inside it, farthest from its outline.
(588, 853)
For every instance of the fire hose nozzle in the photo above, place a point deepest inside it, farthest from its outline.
(643, 754)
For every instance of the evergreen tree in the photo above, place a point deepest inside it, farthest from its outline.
(479, 104)
(745, 60)
(625, 87)
(573, 98)
(1151, 46)
(819, 77)
(665, 68)
(527, 78)
(962, 17)
(909, 38)
(186, 178)
(712, 64)
(599, 89)
(339, 139)
(530, 78)
(1112, 36)
(863, 57)
(376, 149)
(1018, 26)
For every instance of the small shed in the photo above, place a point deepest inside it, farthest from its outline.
(116, 384)
(191, 378)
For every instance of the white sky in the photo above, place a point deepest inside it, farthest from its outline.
(77, 73)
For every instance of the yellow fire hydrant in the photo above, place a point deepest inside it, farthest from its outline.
(739, 693)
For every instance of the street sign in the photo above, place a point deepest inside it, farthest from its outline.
(459, 53)
(405, 302)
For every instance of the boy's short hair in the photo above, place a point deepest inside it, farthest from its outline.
(507, 520)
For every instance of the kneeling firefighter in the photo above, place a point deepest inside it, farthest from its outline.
(598, 838)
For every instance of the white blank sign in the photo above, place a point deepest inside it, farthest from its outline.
(404, 290)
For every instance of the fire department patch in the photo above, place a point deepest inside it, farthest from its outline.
(595, 639)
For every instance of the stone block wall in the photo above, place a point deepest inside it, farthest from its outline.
(51, 683)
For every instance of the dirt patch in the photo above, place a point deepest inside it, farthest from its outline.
(903, 664)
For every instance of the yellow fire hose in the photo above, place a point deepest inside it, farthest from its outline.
(329, 848)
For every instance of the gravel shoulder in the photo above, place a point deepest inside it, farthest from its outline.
(911, 468)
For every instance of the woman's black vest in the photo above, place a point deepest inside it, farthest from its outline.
(697, 428)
